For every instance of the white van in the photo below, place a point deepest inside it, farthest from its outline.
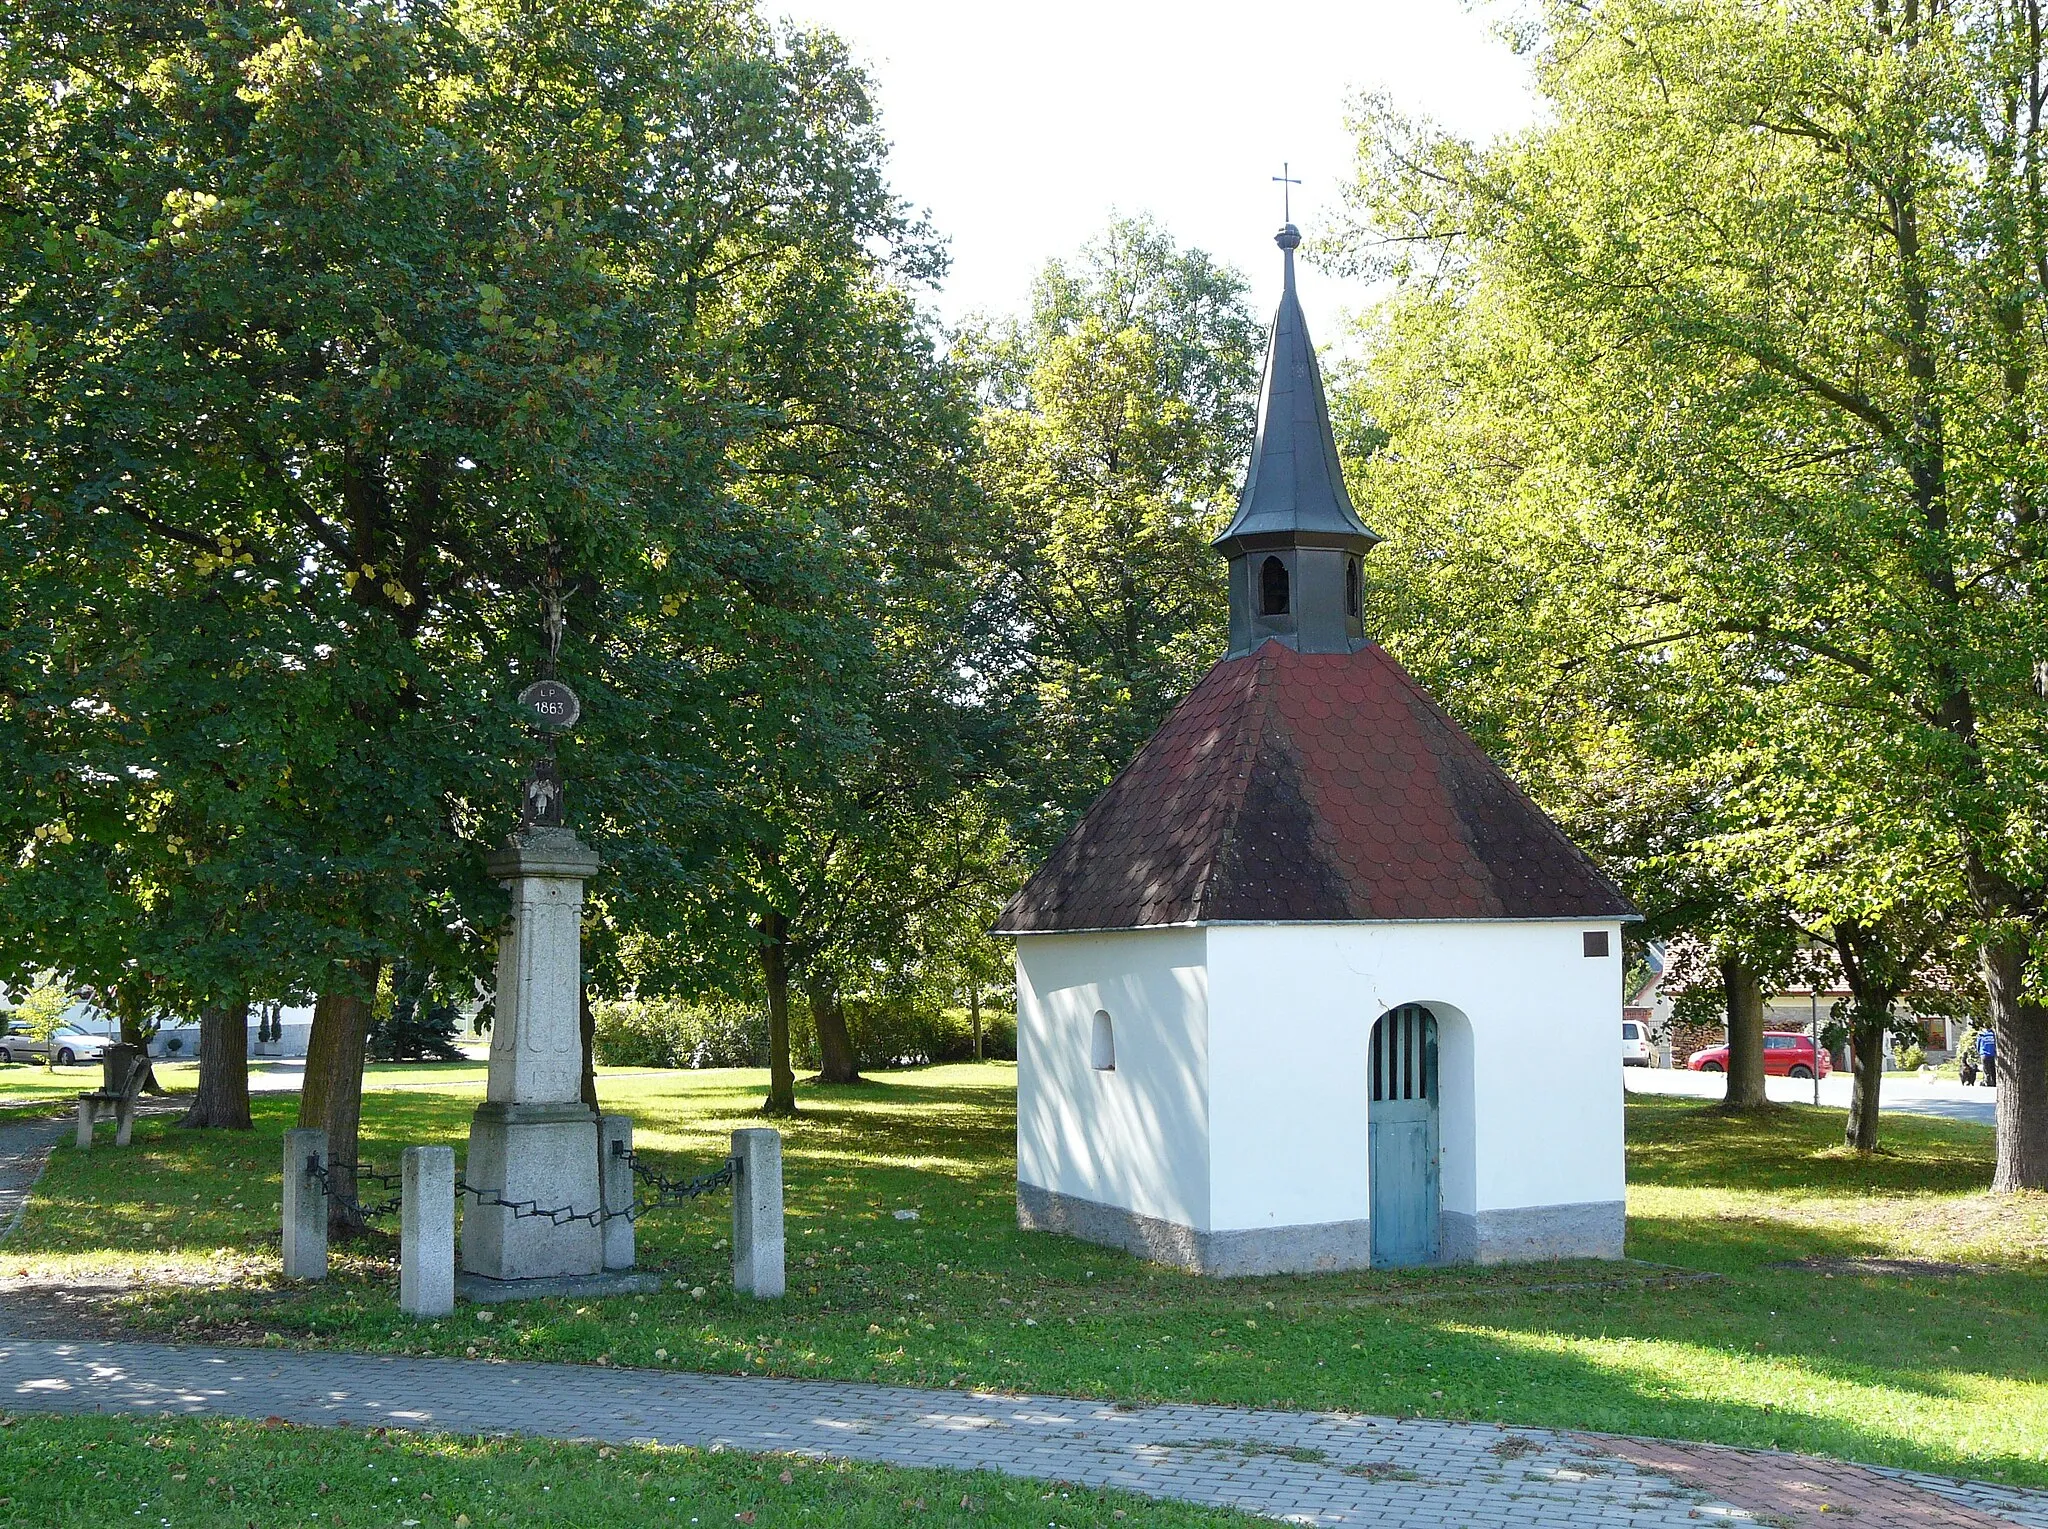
(1635, 1044)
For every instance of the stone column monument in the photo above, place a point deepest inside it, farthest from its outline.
(534, 1140)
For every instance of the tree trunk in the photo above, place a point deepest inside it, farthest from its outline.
(1866, 1082)
(587, 1023)
(332, 1097)
(837, 1063)
(1745, 998)
(2020, 1031)
(773, 929)
(974, 1014)
(221, 1102)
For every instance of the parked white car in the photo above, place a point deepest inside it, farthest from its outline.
(1636, 1050)
(70, 1047)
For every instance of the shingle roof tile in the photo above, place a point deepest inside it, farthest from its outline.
(1310, 787)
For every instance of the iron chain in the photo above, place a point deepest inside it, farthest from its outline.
(315, 1169)
(523, 1210)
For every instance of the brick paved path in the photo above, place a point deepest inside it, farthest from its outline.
(24, 1149)
(1314, 1468)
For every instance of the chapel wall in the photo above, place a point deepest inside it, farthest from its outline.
(1530, 1057)
(1135, 1137)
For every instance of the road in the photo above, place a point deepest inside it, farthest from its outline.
(1901, 1091)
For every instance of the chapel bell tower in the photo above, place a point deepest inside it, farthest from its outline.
(1296, 546)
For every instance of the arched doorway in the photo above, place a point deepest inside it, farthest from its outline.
(1401, 1130)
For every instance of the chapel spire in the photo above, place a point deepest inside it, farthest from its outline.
(1296, 543)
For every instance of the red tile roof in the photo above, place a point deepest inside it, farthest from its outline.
(1310, 787)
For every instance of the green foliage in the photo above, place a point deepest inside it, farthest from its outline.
(890, 1031)
(414, 1022)
(38, 1014)
(332, 330)
(1118, 415)
(675, 1032)
(1714, 434)
(914, 1031)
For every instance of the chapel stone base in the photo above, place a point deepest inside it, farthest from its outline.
(1531, 1234)
(1227, 1254)
(1528, 1234)
(542, 1154)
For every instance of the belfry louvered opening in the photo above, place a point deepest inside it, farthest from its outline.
(1404, 1054)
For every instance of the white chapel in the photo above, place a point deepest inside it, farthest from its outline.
(1313, 985)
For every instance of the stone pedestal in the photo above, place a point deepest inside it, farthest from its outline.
(533, 1142)
(304, 1202)
(426, 1232)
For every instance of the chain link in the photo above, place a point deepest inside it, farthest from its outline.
(669, 1191)
(358, 1211)
(524, 1210)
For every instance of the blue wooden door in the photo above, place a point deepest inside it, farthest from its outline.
(1401, 1136)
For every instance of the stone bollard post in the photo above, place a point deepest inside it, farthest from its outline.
(305, 1205)
(757, 1214)
(426, 1232)
(615, 1188)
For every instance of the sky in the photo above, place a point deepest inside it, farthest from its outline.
(1021, 125)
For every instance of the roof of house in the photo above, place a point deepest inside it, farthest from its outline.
(1310, 787)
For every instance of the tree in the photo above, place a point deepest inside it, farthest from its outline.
(336, 330)
(1793, 255)
(38, 1014)
(419, 1026)
(1118, 414)
(220, 1099)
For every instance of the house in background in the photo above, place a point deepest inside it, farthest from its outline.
(178, 1039)
(1794, 1008)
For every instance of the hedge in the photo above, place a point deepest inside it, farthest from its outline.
(676, 1032)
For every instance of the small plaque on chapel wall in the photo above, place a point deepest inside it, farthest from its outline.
(551, 704)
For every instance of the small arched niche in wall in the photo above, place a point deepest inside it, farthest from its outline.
(1102, 1047)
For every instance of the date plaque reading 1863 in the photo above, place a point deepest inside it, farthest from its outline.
(551, 704)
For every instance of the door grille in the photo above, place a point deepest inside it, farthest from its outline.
(1404, 1054)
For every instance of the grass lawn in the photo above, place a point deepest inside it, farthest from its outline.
(22, 1082)
(1947, 1374)
(91, 1470)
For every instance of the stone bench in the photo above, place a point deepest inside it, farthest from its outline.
(122, 1069)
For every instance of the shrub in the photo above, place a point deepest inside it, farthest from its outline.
(998, 1035)
(678, 1032)
(901, 1031)
(1910, 1057)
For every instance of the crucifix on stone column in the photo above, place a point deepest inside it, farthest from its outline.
(552, 706)
(533, 1142)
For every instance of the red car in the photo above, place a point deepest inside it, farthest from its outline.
(1787, 1054)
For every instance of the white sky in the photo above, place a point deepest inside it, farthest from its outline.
(1021, 124)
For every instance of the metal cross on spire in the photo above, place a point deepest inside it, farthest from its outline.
(1284, 180)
